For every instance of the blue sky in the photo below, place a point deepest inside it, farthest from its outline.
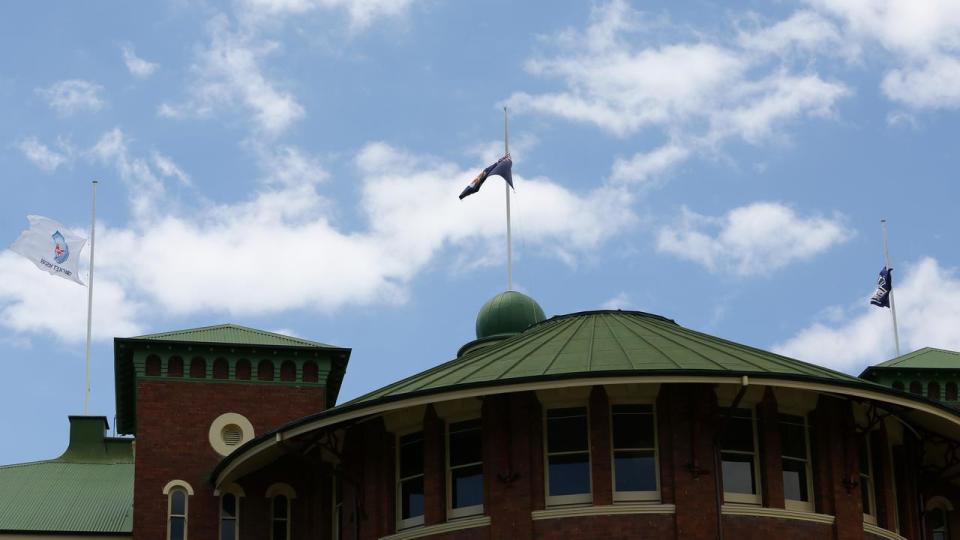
(294, 165)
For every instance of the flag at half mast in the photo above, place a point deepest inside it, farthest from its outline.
(501, 168)
(51, 247)
(881, 297)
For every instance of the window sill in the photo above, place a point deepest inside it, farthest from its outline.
(759, 511)
(451, 526)
(881, 532)
(605, 510)
(465, 512)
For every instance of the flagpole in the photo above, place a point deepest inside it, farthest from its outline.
(93, 232)
(506, 186)
(893, 305)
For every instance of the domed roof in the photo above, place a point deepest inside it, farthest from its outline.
(508, 313)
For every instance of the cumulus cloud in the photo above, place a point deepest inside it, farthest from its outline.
(928, 310)
(137, 66)
(72, 96)
(43, 156)
(751, 240)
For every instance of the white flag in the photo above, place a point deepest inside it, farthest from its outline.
(51, 247)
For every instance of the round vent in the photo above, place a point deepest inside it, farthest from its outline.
(232, 435)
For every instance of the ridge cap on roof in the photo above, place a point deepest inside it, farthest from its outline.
(186, 332)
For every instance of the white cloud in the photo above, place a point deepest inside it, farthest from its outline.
(361, 12)
(751, 240)
(145, 187)
(137, 66)
(72, 96)
(804, 32)
(167, 167)
(620, 301)
(43, 156)
(928, 310)
(644, 166)
(933, 84)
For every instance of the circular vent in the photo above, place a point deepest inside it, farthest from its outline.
(232, 435)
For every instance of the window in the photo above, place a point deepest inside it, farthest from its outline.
(410, 479)
(634, 452)
(221, 369)
(229, 511)
(937, 524)
(280, 521)
(288, 371)
(175, 367)
(198, 368)
(867, 493)
(795, 449)
(153, 365)
(933, 390)
(177, 514)
(898, 385)
(951, 394)
(568, 456)
(916, 388)
(310, 372)
(243, 369)
(265, 370)
(465, 468)
(337, 509)
(738, 454)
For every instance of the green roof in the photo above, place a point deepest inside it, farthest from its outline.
(87, 490)
(508, 313)
(925, 358)
(233, 334)
(599, 342)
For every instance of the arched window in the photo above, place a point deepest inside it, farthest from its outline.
(951, 391)
(229, 516)
(243, 369)
(198, 368)
(933, 390)
(280, 496)
(310, 372)
(916, 388)
(153, 365)
(177, 492)
(898, 385)
(938, 521)
(288, 371)
(265, 370)
(175, 367)
(221, 368)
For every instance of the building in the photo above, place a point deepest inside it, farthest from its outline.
(600, 424)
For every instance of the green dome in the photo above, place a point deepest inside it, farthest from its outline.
(508, 313)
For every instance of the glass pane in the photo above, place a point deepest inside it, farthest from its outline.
(280, 507)
(466, 444)
(228, 529)
(632, 430)
(738, 473)
(228, 506)
(467, 486)
(411, 498)
(567, 430)
(635, 471)
(936, 519)
(864, 456)
(411, 455)
(178, 502)
(177, 529)
(738, 434)
(795, 480)
(569, 474)
(865, 495)
(280, 530)
(793, 437)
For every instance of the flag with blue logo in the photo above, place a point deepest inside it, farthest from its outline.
(51, 247)
(881, 297)
(501, 168)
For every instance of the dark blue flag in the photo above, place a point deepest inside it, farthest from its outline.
(884, 285)
(501, 168)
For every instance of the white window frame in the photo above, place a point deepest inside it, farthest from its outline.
(236, 518)
(790, 504)
(634, 496)
(869, 517)
(466, 510)
(335, 517)
(186, 509)
(746, 498)
(564, 500)
(277, 490)
(416, 520)
(273, 515)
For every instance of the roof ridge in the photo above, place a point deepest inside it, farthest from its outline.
(187, 332)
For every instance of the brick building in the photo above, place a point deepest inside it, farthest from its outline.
(602, 424)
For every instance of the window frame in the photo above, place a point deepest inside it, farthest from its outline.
(336, 516)
(756, 498)
(273, 514)
(871, 488)
(577, 498)
(635, 496)
(236, 518)
(186, 510)
(414, 521)
(791, 504)
(464, 511)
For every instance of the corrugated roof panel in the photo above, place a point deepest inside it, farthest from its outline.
(234, 334)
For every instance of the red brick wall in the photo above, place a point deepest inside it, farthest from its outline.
(173, 420)
(607, 527)
(745, 527)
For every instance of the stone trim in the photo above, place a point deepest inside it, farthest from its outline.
(759, 511)
(870, 528)
(605, 510)
(450, 526)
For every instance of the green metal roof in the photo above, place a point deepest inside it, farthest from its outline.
(87, 490)
(925, 358)
(233, 334)
(508, 313)
(594, 342)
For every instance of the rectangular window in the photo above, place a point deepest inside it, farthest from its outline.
(228, 517)
(867, 493)
(410, 479)
(337, 509)
(795, 450)
(738, 454)
(568, 456)
(465, 468)
(634, 444)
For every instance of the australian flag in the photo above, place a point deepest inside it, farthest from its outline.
(501, 168)
(881, 297)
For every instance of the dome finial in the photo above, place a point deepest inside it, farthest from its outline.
(508, 313)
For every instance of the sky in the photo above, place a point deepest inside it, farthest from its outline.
(294, 166)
